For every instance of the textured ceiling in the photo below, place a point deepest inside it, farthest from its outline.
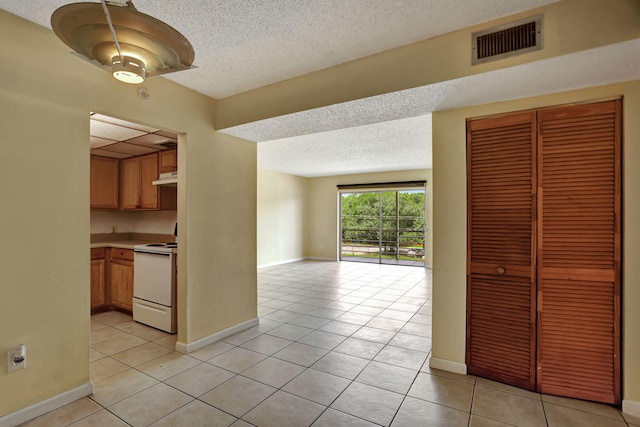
(245, 44)
(377, 147)
(614, 63)
(395, 142)
(242, 45)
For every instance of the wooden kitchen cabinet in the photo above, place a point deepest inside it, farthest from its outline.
(98, 278)
(168, 161)
(149, 193)
(121, 278)
(104, 182)
(138, 192)
(130, 183)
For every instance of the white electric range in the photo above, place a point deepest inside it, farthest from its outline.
(154, 285)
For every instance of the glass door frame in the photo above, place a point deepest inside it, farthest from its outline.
(379, 189)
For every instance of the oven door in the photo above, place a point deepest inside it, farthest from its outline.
(153, 275)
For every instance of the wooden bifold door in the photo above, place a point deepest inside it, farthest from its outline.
(543, 256)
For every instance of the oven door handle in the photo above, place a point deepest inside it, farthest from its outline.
(152, 252)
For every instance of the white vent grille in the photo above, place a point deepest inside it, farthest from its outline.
(507, 40)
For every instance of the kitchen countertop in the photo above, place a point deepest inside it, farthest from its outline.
(122, 244)
(127, 240)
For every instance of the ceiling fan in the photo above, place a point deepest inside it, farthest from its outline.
(115, 36)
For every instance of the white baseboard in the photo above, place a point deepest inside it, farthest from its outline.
(631, 407)
(319, 258)
(41, 408)
(448, 365)
(203, 342)
(286, 261)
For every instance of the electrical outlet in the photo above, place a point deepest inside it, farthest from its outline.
(17, 358)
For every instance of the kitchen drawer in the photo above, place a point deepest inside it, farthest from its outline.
(98, 253)
(122, 254)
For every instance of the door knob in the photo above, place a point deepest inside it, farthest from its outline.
(500, 270)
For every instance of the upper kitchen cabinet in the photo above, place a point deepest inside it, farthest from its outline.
(138, 192)
(130, 179)
(104, 182)
(168, 161)
(149, 193)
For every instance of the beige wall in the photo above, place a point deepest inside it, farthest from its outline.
(220, 232)
(44, 169)
(298, 217)
(281, 217)
(44, 184)
(449, 264)
(157, 222)
(321, 240)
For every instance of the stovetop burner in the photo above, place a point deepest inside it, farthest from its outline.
(161, 247)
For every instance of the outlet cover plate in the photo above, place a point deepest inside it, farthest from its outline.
(11, 367)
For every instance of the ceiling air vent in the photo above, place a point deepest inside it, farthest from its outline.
(167, 144)
(507, 40)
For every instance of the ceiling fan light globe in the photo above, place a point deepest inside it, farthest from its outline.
(84, 27)
(128, 69)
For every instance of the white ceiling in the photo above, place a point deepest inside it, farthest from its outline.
(242, 45)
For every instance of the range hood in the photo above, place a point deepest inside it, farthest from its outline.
(169, 178)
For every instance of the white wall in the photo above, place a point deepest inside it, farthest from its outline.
(281, 217)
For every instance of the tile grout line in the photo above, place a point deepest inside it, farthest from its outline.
(406, 289)
(409, 389)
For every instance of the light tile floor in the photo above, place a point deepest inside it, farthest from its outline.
(338, 344)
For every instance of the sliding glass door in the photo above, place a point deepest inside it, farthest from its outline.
(386, 227)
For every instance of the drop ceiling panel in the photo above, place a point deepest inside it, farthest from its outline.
(121, 139)
(151, 140)
(95, 142)
(112, 131)
(113, 155)
(131, 149)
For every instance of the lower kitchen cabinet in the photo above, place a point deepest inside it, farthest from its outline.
(98, 278)
(121, 278)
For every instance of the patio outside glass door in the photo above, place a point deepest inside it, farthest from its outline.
(386, 227)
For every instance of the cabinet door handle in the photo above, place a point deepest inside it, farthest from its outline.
(501, 270)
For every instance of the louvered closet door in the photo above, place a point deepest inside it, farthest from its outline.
(500, 271)
(579, 251)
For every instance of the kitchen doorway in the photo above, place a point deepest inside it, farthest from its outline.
(133, 204)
